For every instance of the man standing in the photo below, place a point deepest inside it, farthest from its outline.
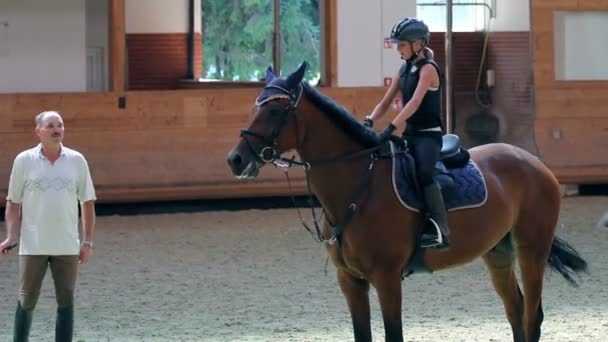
(46, 184)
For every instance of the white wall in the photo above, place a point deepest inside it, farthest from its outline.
(511, 15)
(43, 46)
(362, 26)
(160, 16)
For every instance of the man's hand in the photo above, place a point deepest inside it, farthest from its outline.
(7, 245)
(386, 133)
(368, 122)
(86, 249)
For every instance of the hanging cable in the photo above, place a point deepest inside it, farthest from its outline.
(482, 63)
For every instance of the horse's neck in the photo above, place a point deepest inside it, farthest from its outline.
(334, 182)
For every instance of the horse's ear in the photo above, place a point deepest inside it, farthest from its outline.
(297, 77)
(269, 74)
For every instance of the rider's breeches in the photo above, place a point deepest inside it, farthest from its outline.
(425, 147)
(32, 268)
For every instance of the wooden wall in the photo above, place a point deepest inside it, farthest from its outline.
(164, 145)
(571, 125)
(172, 144)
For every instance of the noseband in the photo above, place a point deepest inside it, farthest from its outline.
(268, 153)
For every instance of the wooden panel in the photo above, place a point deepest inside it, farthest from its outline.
(573, 142)
(164, 145)
(572, 119)
(542, 21)
(116, 36)
(330, 49)
(582, 175)
(593, 4)
(573, 103)
(556, 4)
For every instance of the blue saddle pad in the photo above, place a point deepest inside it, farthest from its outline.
(467, 191)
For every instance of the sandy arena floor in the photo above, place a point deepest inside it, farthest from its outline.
(257, 275)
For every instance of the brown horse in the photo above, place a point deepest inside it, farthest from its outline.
(378, 240)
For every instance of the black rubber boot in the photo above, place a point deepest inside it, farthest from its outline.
(23, 323)
(438, 236)
(64, 326)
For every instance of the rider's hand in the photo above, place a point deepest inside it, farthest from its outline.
(386, 133)
(368, 122)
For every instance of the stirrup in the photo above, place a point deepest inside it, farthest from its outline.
(433, 241)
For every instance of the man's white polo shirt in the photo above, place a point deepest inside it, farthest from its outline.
(49, 195)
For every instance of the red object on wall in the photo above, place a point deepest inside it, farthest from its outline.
(387, 43)
(387, 81)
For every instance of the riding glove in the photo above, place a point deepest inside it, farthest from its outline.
(386, 133)
(368, 122)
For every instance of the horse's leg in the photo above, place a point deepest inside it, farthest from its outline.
(532, 263)
(500, 262)
(388, 287)
(533, 235)
(356, 292)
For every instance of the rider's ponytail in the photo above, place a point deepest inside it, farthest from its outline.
(428, 53)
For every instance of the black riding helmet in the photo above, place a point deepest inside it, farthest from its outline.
(410, 29)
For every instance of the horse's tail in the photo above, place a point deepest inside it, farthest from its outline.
(566, 260)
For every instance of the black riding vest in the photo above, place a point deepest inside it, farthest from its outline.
(428, 115)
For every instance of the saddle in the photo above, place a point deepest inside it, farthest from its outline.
(461, 181)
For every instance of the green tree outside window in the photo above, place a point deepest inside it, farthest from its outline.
(238, 38)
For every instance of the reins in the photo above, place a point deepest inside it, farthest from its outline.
(336, 229)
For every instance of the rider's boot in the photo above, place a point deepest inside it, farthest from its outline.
(64, 325)
(438, 236)
(23, 323)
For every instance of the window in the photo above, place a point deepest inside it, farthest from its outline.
(239, 38)
(580, 45)
(467, 15)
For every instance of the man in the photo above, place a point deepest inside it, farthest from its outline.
(46, 184)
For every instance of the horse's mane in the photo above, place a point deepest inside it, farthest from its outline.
(341, 116)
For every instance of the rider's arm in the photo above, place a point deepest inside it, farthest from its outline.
(88, 220)
(12, 216)
(390, 94)
(428, 74)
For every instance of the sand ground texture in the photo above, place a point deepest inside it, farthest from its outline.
(257, 275)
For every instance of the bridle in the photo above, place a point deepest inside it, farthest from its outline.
(268, 154)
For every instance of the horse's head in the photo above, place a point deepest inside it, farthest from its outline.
(268, 134)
